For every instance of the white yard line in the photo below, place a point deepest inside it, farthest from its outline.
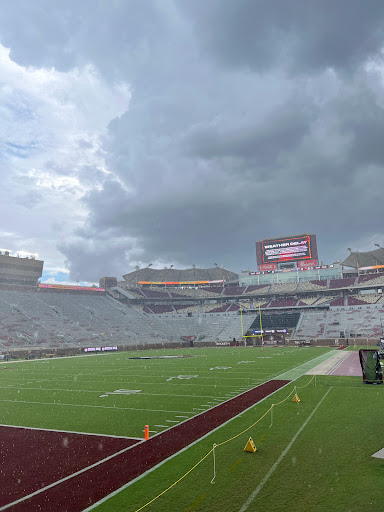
(128, 484)
(90, 406)
(130, 447)
(12, 386)
(282, 455)
(57, 482)
(71, 432)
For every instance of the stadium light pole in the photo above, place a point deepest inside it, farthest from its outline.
(376, 258)
(357, 261)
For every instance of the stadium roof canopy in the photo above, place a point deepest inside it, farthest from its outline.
(365, 259)
(172, 275)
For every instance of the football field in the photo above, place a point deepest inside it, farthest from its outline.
(116, 395)
(85, 417)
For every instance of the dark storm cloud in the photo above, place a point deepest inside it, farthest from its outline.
(304, 35)
(248, 119)
(262, 142)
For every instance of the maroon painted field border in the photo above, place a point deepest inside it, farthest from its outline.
(80, 492)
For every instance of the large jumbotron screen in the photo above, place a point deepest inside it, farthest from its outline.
(286, 249)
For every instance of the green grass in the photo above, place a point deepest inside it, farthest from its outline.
(328, 468)
(65, 393)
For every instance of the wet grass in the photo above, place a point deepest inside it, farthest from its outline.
(74, 393)
(328, 467)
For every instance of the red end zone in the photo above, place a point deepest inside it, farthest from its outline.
(47, 465)
(31, 459)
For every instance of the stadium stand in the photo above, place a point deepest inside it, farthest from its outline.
(283, 288)
(282, 303)
(154, 294)
(257, 289)
(195, 303)
(371, 279)
(369, 298)
(342, 283)
(312, 285)
(307, 301)
(311, 324)
(324, 299)
(234, 290)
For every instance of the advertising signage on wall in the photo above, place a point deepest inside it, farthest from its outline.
(286, 249)
(99, 349)
(270, 331)
(268, 266)
(69, 287)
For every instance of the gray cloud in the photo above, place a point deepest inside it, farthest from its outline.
(305, 35)
(247, 120)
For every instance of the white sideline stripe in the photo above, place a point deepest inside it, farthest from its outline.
(172, 421)
(41, 359)
(91, 406)
(91, 507)
(53, 484)
(181, 416)
(282, 455)
(162, 426)
(134, 382)
(125, 486)
(71, 432)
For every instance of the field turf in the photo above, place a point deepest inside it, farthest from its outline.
(315, 455)
(65, 393)
(328, 467)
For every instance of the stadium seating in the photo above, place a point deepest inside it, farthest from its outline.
(312, 285)
(342, 283)
(324, 300)
(311, 324)
(257, 289)
(282, 303)
(307, 301)
(234, 290)
(153, 294)
(369, 298)
(376, 278)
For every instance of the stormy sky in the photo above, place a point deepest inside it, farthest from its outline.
(180, 132)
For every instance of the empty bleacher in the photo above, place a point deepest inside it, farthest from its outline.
(311, 324)
(284, 287)
(312, 285)
(342, 283)
(282, 303)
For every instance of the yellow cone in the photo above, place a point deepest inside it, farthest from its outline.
(296, 398)
(250, 446)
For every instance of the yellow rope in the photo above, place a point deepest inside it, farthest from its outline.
(177, 481)
(308, 383)
(217, 445)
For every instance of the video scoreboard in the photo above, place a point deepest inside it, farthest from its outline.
(272, 251)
